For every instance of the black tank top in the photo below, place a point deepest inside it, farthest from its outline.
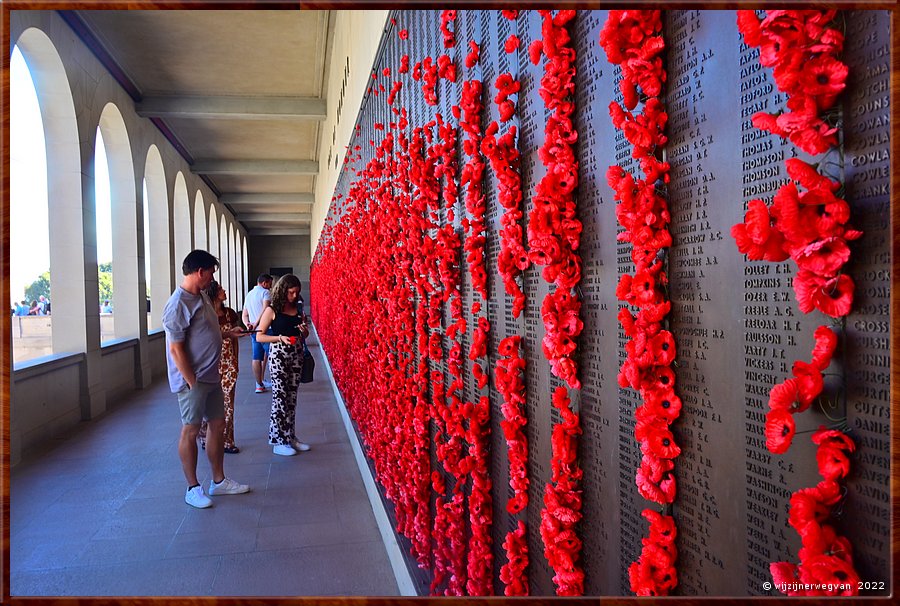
(286, 325)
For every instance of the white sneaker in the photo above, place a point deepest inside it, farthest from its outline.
(195, 497)
(284, 450)
(298, 445)
(227, 486)
(267, 384)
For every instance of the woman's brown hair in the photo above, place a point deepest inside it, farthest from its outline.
(279, 291)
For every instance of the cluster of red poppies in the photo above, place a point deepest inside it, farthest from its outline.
(506, 86)
(480, 554)
(633, 40)
(503, 154)
(450, 548)
(654, 573)
(554, 233)
(400, 456)
(554, 230)
(427, 71)
(425, 181)
(514, 574)
(802, 47)
(562, 501)
(451, 446)
(826, 558)
(433, 173)
(796, 394)
(509, 378)
(447, 17)
(809, 227)
(472, 178)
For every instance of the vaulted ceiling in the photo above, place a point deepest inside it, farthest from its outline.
(239, 93)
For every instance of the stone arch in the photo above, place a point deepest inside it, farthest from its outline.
(214, 248)
(200, 238)
(157, 257)
(232, 267)
(64, 186)
(246, 269)
(124, 222)
(224, 272)
(182, 225)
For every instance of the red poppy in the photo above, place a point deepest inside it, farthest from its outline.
(826, 342)
(813, 504)
(657, 441)
(511, 44)
(808, 177)
(768, 123)
(833, 296)
(831, 576)
(403, 34)
(809, 384)
(662, 403)
(662, 528)
(535, 50)
(780, 430)
(655, 481)
(757, 237)
(823, 540)
(474, 53)
(834, 446)
(749, 26)
(824, 257)
(784, 574)
(823, 77)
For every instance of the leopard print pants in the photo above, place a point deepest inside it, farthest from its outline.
(285, 363)
(228, 368)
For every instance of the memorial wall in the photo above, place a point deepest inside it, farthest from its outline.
(450, 386)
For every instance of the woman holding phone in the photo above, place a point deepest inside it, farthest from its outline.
(232, 329)
(284, 326)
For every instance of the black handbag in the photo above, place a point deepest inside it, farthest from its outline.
(309, 365)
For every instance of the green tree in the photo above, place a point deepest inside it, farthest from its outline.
(39, 287)
(105, 280)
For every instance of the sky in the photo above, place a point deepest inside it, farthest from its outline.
(29, 233)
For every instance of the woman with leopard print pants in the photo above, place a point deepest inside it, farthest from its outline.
(287, 335)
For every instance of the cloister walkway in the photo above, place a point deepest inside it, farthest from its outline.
(102, 511)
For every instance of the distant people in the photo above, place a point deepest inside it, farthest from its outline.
(288, 338)
(232, 330)
(106, 308)
(22, 308)
(194, 346)
(35, 309)
(44, 305)
(254, 303)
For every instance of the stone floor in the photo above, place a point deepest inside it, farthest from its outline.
(102, 511)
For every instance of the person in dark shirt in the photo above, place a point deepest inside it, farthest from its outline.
(287, 337)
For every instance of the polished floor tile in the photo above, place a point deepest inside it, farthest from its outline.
(101, 512)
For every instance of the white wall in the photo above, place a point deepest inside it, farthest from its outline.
(357, 35)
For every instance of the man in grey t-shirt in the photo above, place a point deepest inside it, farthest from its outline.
(193, 347)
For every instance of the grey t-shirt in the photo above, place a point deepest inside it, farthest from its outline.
(191, 319)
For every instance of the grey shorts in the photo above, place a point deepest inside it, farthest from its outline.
(206, 400)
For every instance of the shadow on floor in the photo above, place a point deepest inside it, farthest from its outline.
(102, 511)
